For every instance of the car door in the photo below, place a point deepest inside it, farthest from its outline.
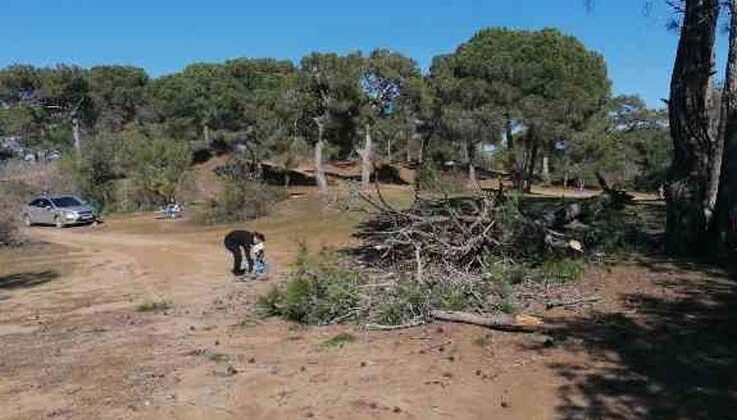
(33, 210)
(46, 211)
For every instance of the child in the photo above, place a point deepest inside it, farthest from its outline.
(239, 243)
(258, 256)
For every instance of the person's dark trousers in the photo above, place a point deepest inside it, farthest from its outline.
(238, 259)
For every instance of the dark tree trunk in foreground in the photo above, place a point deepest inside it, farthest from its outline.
(689, 202)
(725, 214)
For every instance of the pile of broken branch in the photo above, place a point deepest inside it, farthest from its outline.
(479, 259)
(462, 231)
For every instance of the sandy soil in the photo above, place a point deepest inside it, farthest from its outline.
(74, 346)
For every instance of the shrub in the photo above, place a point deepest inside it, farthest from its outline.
(339, 340)
(8, 224)
(240, 201)
(155, 164)
(156, 306)
(432, 180)
(562, 269)
(93, 172)
(318, 291)
(406, 301)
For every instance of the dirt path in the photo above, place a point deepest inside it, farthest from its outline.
(74, 346)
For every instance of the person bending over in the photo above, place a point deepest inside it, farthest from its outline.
(239, 243)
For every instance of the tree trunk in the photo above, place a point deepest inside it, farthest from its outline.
(389, 149)
(287, 179)
(420, 149)
(471, 162)
(689, 204)
(502, 322)
(514, 166)
(322, 182)
(546, 169)
(531, 159)
(565, 179)
(206, 133)
(76, 135)
(531, 167)
(366, 155)
(510, 137)
(725, 213)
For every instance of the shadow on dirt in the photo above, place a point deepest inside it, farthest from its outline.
(27, 279)
(665, 357)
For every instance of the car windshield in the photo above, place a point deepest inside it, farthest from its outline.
(66, 202)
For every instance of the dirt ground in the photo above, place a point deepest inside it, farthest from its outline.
(73, 344)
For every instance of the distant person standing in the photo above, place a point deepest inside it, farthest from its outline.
(239, 243)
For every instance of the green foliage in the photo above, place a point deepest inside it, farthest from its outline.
(501, 270)
(407, 301)
(318, 291)
(544, 83)
(118, 95)
(240, 201)
(483, 340)
(339, 340)
(626, 142)
(432, 180)
(154, 306)
(562, 269)
(14, 194)
(94, 171)
(155, 164)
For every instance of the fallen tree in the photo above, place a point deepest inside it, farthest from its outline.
(502, 322)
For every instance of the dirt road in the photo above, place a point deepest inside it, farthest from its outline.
(74, 343)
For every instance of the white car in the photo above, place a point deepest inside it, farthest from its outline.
(59, 210)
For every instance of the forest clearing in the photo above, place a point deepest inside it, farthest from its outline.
(78, 342)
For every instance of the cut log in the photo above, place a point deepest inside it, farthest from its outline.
(502, 322)
(383, 327)
(573, 302)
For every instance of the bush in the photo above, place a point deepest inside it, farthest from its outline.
(432, 180)
(339, 340)
(240, 201)
(318, 291)
(155, 165)
(126, 171)
(155, 306)
(8, 224)
(562, 269)
(93, 172)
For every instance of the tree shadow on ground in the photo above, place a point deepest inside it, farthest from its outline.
(671, 353)
(27, 279)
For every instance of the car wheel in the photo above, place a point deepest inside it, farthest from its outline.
(58, 222)
(27, 220)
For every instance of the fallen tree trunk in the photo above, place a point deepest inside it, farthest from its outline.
(556, 304)
(382, 327)
(502, 322)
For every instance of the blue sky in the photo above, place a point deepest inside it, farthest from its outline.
(164, 35)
